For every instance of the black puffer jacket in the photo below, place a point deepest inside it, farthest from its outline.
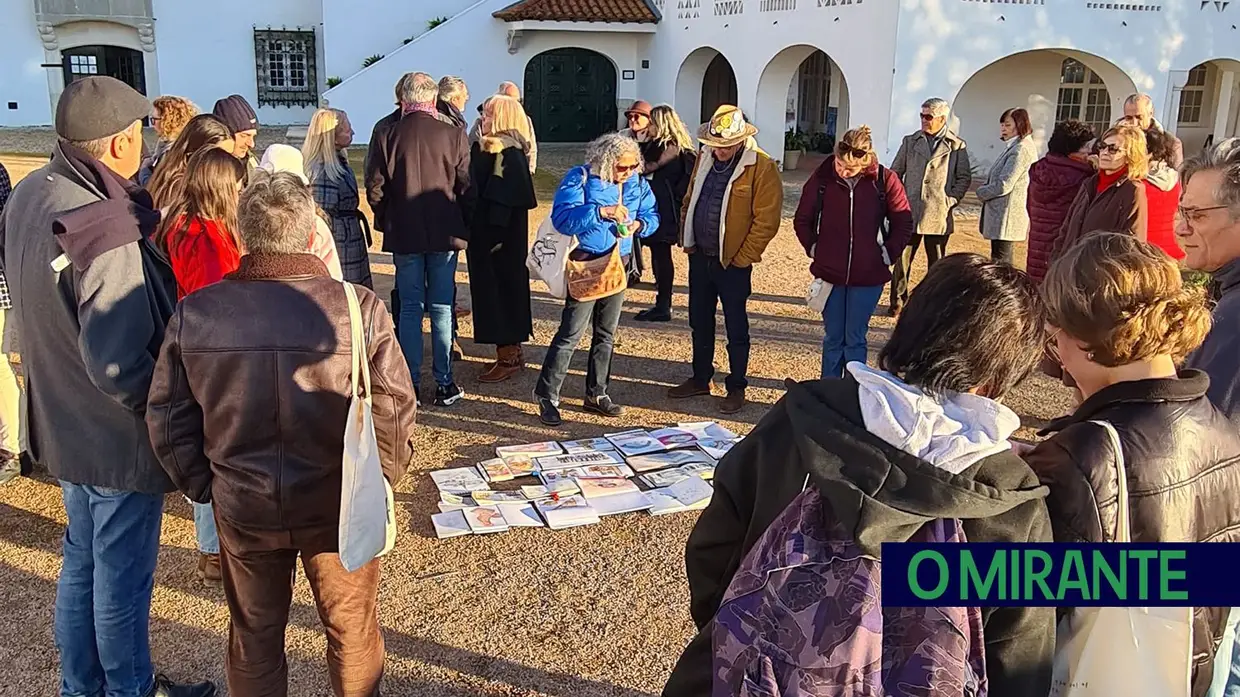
(669, 170)
(1182, 458)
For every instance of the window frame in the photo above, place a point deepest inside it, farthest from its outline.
(270, 44)
(1083, 96)
(1195, 90)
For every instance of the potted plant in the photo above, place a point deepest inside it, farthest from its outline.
(794, 146)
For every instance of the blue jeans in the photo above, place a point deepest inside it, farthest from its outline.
(103, 598)
(604, 316)
(711, 285)
(204, 529)
(426, 282)
(846, 319)
(1226, 680)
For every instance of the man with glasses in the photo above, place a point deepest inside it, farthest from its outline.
(1208, 229)
(934, 164)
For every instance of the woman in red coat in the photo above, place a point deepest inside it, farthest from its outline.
(199, 232)
(1053, 184)
(1162, 193)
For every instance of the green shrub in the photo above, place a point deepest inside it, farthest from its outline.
(333, 81)
(432, 23)
(372, 60)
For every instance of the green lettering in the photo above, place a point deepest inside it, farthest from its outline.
(1037, 576)
(1143, 557)
(1166, 575)
(969, 576)
(1014, 585)
(1119, 584)
(944, 576)
(1072, 575)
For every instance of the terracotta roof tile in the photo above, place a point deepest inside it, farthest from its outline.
(580, 11)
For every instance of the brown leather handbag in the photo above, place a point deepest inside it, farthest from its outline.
(595, 278)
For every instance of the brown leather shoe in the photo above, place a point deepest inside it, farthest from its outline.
(209, 571)
(509, 362)
(688, 388)
(734, 402)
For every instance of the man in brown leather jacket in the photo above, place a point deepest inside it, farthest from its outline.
(247, 410)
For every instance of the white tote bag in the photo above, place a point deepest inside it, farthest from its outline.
(549, 255)
(817, 294)
(1110, 651)
(367, 512)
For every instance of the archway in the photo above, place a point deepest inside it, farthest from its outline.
(1208, 107)
(801, 88)
(570, 94)
(124, 64)
(1053, 85)
(705, 80)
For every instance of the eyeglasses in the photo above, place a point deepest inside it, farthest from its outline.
(1052, 343)
(624, 169)
(927, 117)
(1110, 149)
(1193, 216)
(848, 151)
(634, 117)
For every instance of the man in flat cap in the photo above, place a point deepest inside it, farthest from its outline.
(237, 113)
(91, 298)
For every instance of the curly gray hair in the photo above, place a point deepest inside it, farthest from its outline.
(604, 153)
(1223, 157)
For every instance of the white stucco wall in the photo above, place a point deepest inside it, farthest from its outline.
(354, 30)
(1029, 81)
(367, 95)
(21, 54)
(206, 49)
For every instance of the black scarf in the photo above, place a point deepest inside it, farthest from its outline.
(126, 213)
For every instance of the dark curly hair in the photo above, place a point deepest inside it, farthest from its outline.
(1160, 145)
(1069, 137)
(971, 323)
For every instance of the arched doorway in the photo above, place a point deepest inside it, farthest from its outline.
(801, 88)
(718, 87)
(1053, 85)
(124, 64)
(1209, 106)
(570, 93)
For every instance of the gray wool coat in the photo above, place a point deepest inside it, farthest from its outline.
(1006, 192)
(934, 181)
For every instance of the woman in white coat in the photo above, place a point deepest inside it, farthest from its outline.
(1004, 218)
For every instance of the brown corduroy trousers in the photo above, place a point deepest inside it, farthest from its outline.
(259, 567)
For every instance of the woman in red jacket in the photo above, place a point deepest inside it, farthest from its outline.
(199, 232)
(1053, 184)
(1162, 193)
(853, 219)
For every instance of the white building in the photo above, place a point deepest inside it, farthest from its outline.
(820, 65)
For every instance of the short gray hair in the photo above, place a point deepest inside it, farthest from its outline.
(403, 87)
(1144, 102)
(451, 86)
(98, 147)
(506, 87)
(1225, 158)
(604, 153)
(276, 214)
(421, 89)
(937, 106)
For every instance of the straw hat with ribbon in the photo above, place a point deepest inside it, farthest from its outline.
(726, 128)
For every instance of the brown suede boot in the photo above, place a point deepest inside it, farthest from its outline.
(209, 572)
(509, 362)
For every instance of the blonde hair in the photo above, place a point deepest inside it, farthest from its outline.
(859, 138)
(174, 113)
(1132, 144)
(1125, 300)
(319, 147)
(666, 128)
(507, 116)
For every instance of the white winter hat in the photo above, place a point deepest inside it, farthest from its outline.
(284, 158)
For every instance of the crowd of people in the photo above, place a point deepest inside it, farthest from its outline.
(174, 301)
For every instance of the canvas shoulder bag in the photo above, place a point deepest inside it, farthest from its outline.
(1108, 651)
(597, 278)
(367, 526)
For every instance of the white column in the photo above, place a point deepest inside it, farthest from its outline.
(1223, 113)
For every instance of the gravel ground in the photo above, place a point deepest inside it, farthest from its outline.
(600, 611)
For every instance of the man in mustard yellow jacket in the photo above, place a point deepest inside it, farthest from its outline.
(731, 213)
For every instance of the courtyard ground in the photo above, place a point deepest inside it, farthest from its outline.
(599, 611)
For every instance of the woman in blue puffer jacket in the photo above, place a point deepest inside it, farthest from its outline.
(603, 203)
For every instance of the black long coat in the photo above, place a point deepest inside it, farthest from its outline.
(669, 171)
(499, 282)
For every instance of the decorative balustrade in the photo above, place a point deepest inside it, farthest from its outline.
(727, 8)
(777, 5)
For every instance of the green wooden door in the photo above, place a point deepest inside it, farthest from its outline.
(570, 93)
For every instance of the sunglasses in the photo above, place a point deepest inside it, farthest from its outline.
(627, 168)
(927, 117)
(1109, 149)
(634, 117)
(848, 151)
